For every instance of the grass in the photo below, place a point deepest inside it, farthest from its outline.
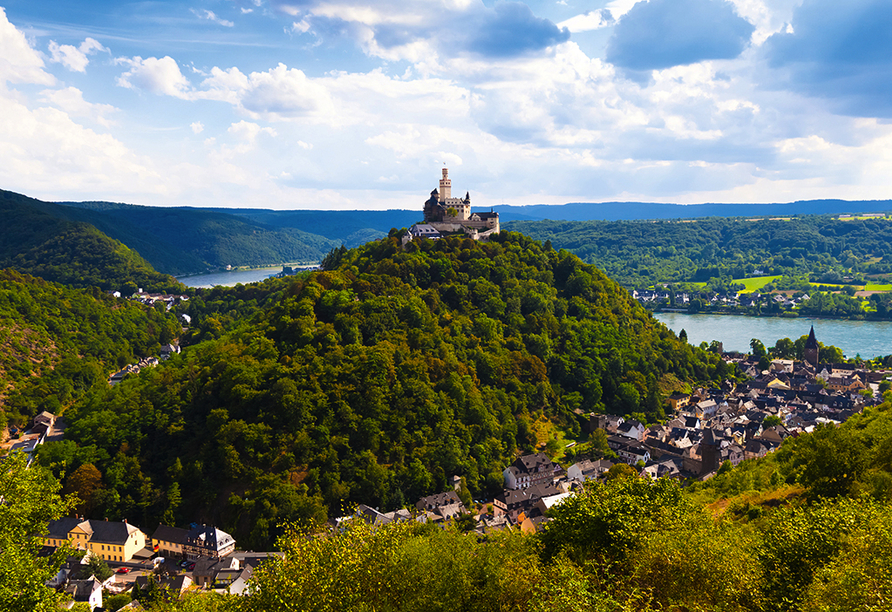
(755, 283)
(874, 287)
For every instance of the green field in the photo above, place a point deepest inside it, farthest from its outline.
(873, 287)
(755, 283)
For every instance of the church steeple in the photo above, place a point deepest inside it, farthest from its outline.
(810, 352)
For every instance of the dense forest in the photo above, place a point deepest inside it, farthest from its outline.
(173, 240)
(372, 381)
(35, 241)
(805, 529)
(643, 253)
(208, 238)
(57, 342)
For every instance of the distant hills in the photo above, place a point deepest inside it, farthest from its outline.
(60, 245)
(636, 211)
(182, 240)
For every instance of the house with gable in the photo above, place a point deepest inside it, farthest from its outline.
(110, 540)
(531, 470)
(208, 541)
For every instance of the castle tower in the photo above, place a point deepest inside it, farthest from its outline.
(445, 186)
(810, 351)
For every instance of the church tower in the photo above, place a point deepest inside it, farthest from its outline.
(445, 186)
(810, 351)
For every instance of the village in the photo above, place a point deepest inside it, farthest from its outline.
(707, 429)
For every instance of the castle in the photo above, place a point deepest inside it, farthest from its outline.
(444, 214)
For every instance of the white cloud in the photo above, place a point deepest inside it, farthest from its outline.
(248, 131)
(71, 100)
(211, 16)
(300, 27)
(592, 20)
(197, 127)
(158, 76)
(19, 63)
(75, 58)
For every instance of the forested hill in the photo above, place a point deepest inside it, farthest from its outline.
(641, 253)
(41, 239)
(373, 381)
(56, 342)
(191, 240)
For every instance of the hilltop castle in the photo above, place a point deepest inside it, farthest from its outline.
(444, 214)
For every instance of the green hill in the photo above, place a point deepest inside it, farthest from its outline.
(56, 342)
(374, 381)
(641, 253)
(40, 239)
(204, 238)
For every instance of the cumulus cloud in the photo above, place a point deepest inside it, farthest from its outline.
(248, 131)
(212, 17)
(197, 127)
(664, 33)
(591, 20)
(280, 93)
(19, 63)
(75, 58)
(512, 29)
(157, 76)
(71, 100)
(409, 30)
(841, 52)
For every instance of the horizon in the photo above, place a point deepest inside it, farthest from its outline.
(350, 105)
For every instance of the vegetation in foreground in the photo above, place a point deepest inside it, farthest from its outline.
(805, 529)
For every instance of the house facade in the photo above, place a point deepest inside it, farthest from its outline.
(110, 540)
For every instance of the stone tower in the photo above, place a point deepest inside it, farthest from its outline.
(445, 186)
(810, 351)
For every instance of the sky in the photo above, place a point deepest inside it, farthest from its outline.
(343, 104)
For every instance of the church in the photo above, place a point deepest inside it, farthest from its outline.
(445, 215)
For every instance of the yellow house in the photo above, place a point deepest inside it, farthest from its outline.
(169, 541)
(110, 540)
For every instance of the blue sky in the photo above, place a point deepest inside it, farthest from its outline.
(342, 104)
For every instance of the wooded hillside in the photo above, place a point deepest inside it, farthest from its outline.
(374, 381)
(642, 253)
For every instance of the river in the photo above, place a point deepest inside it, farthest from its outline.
(868, 338)
(229, 279)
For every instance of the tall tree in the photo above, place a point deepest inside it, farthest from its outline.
(30, 500)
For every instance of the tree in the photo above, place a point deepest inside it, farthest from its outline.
(828, 462)
(31, 501)
(84, 482)
(771, 420)
(757, 347)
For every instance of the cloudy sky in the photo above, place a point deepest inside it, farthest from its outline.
(350, 104)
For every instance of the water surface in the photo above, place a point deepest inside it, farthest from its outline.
(868, 338)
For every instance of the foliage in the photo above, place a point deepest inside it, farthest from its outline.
(399, 566)
(821, 249)
(179, 240)
(374, 382)
(38, 238)
(57, 342)
(29, 501)
(610, 519)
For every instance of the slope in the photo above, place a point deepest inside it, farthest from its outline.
(208, 238)
(56, 342)
(374, 381)
(37, 237)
